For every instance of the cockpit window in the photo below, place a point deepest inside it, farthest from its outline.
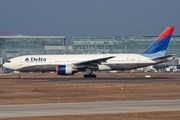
(8, 61)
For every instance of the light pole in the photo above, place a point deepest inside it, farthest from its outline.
(125, 46)
(105, 46)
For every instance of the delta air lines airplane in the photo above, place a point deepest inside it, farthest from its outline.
(88, 63)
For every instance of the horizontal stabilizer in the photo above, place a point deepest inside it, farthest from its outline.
(165, 57)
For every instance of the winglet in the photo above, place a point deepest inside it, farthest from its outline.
(160, 44)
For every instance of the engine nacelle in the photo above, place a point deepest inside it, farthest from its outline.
(65, 70)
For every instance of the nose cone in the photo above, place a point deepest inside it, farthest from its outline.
(5, 65)
(8, 65)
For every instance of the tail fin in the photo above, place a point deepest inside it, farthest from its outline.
(160, 44)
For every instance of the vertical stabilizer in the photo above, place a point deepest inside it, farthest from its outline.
(160, 44)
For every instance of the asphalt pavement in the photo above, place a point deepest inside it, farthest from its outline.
(78, 108)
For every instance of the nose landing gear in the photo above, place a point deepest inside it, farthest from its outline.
(18, 74)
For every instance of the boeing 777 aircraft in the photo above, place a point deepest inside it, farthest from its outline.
(70, 64)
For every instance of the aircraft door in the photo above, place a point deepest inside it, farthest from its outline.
(20, 63)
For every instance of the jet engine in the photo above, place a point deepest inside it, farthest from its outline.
(65, 70)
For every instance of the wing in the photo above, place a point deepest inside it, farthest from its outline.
(93, 62)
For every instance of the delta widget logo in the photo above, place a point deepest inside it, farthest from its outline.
(35, 59)
(26, 60)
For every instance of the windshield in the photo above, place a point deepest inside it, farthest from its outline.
(8, 61)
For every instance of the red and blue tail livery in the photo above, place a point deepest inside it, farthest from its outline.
(160, 44)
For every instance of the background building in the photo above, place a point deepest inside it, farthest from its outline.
(125, 44)
(120, 44)
(12, 46)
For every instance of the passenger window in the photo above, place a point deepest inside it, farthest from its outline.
(8, 61)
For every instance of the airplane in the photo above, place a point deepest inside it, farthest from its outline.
(89, 63)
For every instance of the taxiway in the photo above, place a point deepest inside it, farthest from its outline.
(26, 110)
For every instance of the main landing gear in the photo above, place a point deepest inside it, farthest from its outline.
(89, 73)
(90, 76)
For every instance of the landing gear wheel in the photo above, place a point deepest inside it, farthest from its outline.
(90, 76)
(18, 76)
(93, 76)
(85, 76)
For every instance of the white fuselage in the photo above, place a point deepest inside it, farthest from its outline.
(119, 62)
